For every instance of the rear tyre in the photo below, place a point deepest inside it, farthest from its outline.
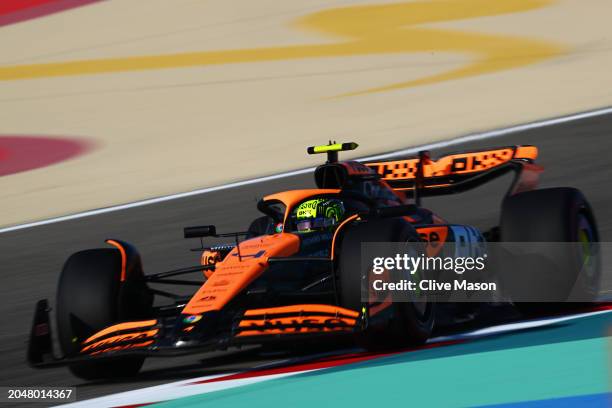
(91, 297)
(555, 215)
(410, 323)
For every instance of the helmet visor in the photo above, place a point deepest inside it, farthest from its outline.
(314, 223)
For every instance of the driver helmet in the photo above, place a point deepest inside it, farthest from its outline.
(318, 214)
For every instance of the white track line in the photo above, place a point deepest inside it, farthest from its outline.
(171, 391)
(437, 145)
(515, 326)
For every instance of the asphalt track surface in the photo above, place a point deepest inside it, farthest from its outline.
(574, 154)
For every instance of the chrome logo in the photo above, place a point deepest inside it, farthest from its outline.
(192, 319)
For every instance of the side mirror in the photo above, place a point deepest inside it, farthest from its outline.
(201, 231)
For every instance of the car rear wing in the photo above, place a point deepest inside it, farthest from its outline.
(458, 172)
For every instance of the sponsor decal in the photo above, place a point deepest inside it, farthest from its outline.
(211, 257)
(207, 298)
(447, 165)
(305, 324)
(255, 255)
(119, 339)
(468, 241)
(192, 319)
(316, 239)
(124, 347)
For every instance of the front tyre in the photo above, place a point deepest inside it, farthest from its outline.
(410, 323)
(90, 297)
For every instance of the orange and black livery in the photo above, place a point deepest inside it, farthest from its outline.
(294, 274)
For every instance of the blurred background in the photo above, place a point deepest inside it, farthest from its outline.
(108, 102)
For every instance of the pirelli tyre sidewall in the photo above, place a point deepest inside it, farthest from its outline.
(554, 215)
(91, 297)
(408, 324)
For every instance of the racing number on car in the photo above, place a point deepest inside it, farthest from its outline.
(432, 237)
(435, 237)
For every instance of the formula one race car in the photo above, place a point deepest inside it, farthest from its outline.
(296, 274)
